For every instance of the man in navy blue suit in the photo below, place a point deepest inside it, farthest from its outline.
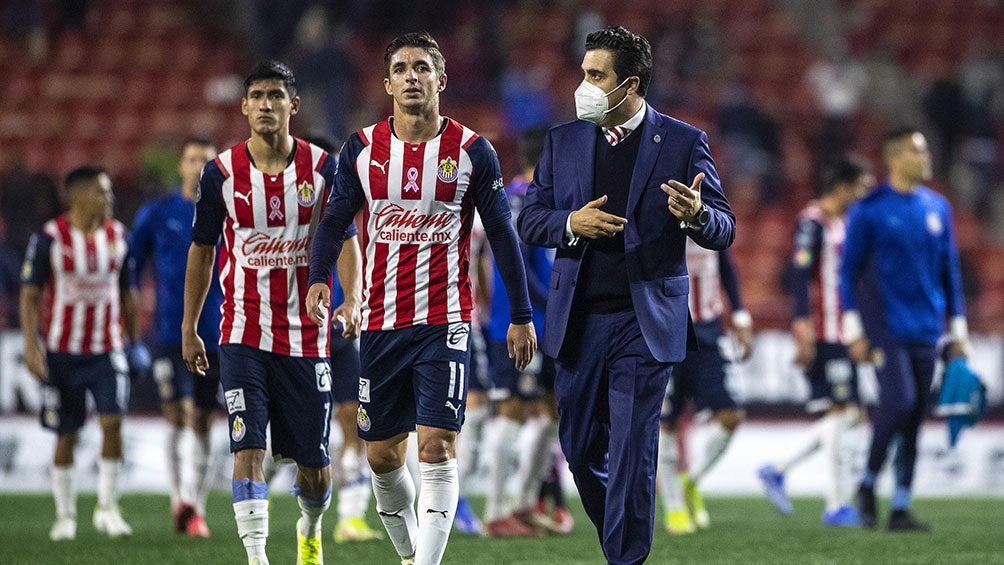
(617, 192)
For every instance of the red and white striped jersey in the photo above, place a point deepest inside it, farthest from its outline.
(818, 247)
(264, 221)
(705, 298)
(85, 272)
(416, 221)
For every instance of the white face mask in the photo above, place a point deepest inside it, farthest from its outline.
(591, 102)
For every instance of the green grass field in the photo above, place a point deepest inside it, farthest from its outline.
(743, 530)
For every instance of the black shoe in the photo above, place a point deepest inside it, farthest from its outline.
(866, 507)
(902, 521)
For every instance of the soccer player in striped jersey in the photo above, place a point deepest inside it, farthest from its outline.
(163, 231)
(701, 377)
(80, 256)
(832, 375)
(899, 281)
(417, 178)
(264, 197)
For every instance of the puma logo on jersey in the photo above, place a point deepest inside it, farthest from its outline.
(245, 197)
(380, 165)
(456, 409)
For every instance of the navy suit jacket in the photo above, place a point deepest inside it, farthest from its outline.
(654, 243)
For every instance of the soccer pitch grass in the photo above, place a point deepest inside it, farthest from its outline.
(743, 530)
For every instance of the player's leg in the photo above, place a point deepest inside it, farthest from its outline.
(243, 375)
(176, 409)
(537, 449)
(110, 388)
(678, 519)
(205, 403)
(386, 416)
(63, 412)
(470, 442)
(922, 371)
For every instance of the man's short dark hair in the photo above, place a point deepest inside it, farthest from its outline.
(422, 40)
(82, 174)
(272, 70)
(531, 145)
(896, 135)
(198, 141)
(324, 142)
(843, 171)
(632, 54)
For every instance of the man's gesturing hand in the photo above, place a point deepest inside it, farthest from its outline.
(589, 221)
(684, 201)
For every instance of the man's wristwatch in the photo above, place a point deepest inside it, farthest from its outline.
(700, 219)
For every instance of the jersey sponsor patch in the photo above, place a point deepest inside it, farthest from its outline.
(235, 400)
(364, 390)
(323, 373)
(457, 336)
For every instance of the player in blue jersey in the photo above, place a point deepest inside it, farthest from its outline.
(162, 232)
(516, 392)
(899, 281)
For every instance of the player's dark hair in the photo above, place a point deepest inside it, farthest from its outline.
(271, 70)
(325, 143)
(842, 171)
(422, 40)
(82, 175)
(531, 144)
(894, 136)
(198, 141)
(632, 54)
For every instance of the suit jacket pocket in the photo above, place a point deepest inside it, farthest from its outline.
(555, 277)
(676, 286)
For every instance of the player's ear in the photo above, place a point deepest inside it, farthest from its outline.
(386, 86)
(244, 105)
(442, 82)
(294, 105)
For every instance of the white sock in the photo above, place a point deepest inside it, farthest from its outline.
(200, 469)
(535, 459)
(354, 495)
(468, 442)
(809, 446)
(63, 492)
(174, 463)
(311, 513)
(108, 477)
(832, 430)
(395, 503)
(669, 471)
(436, 506)
(501, 458)
(718, 441)
(252, 526)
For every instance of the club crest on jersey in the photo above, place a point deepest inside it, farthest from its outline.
(239, 429)
(305, 194)
(363, 419)
(448, 171)
(934, 223)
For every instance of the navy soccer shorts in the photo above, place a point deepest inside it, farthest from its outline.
(292, 394)
(64, 397)
(413, 376)
(700, 377)
(344, 369)
(833, 378)
(509, 382)
(175, 381)
(479, 381)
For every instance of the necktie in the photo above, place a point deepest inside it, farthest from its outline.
(617, 134)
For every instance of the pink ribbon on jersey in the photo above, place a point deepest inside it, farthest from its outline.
(275, 203)
(412, 177)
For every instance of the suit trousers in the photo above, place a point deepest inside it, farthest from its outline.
(609, 389)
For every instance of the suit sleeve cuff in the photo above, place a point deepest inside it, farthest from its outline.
(570, 238)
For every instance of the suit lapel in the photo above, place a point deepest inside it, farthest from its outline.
(653, 132)
(587, 162)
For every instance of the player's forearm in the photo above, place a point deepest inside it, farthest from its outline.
(129, 325)
(198, 276)
(505, 248)
(28, 304)
(326, 248)
(350, 270)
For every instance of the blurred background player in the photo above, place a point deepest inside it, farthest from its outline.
(418, 177)
(832, 375)
(263, 197)
(163, 230)
(80, 256)
(701, 377)
(901, 249)
(353, 473)
(523, 435)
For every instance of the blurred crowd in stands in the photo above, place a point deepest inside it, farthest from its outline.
(780, 85)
